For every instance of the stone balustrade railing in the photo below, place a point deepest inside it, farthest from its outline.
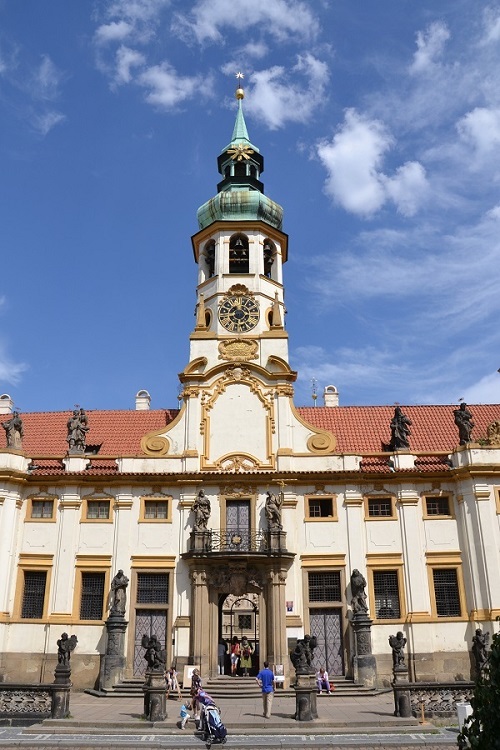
(439, 699)
(24, 704)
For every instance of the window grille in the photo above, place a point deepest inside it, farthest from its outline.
(91, 604)
(325, 587)
(386, 592)
(320, 507)
(446, 592)
(98, 509)
(380, 507)
(244, 622)
(438, 506)
(155, 509)
(152, 588)
(33, 594)
(42, 508)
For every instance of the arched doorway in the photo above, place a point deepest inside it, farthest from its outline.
(239, 616)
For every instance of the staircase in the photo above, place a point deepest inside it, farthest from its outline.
(235, 688)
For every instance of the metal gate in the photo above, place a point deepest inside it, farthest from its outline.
(147, 622)
(326, 625)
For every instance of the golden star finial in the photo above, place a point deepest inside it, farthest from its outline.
(240, 94)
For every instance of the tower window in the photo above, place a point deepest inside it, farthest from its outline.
(238, 254)
(269, 252)
(210, 258)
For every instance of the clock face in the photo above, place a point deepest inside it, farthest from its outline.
(239, 313)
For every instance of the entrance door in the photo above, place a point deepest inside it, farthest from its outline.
(326, 625)
(238, 524)
(147, 622)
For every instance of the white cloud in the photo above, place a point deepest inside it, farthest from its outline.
(256, 50)
(44, 122)
(281, 19)
(491, 20)
(485, 391)
(115, 31)
(481, 129)
(126, 60)
(277, 98)
(46, 80)
(166, 88)
(353, 161)
(10, 372)
(430, 47)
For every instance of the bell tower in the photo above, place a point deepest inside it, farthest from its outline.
(240, 250)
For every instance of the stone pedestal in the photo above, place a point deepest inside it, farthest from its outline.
(402, 702)
(306, 708)
(364, 663)
(155, 701)
(200, 541)
(61, 692)
(276, 540)
(113, 661)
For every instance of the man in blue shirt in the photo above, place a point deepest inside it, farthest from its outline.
(265, 678)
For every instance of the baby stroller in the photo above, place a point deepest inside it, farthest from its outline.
(212, 727)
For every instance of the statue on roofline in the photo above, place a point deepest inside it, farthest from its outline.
(14, 431)
(463, 420)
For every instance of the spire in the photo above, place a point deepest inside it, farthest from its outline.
(240, 145)
(240, 132)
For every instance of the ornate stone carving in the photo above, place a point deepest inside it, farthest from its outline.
(237, 578)
(237, 490)
(25, 701)
(237, 463)
(14, 431)
(493, 433)
(65, 645)
(238, 350)
(438, 700)
(303, 655)
(363, 642)
(155, 655)
(358, 584)
(77, 431)
(397, 643)
(155, 445)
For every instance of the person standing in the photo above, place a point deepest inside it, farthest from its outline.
(221, 655)
(246, 651)
(235, 655)
(265, 679)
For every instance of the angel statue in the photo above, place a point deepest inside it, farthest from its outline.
(65, 645)
(397, 643)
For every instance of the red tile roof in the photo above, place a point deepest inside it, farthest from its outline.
(118, 432)
(364, 429)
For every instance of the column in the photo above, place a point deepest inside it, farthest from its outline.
(200, 635)
(277, 652)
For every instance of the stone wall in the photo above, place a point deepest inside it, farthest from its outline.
(35, 668)
(441, 666)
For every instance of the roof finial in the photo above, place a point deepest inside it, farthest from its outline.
(240, 94)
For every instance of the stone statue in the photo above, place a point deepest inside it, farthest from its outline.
(303, 655)
(77, 431)
(463, 420)
(358, 584)
(65, 645)
(273, 507)
(14, 431)
(155, 655)
(397, 643)
(119, 594)
(202, 510)
(479, 649)
(400, 431)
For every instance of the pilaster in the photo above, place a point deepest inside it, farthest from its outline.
(415, 574)
(66, 549)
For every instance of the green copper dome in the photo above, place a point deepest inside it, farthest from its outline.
(240, 194)
(236, 205)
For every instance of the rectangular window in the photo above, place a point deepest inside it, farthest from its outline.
(155, 509)
(35, 582)
(152, 588)
(380, 507)
(42, 508)
(244, 622)
(92, 600)
(446, 592)
(98, 509)
(320, 507)
(325, 586)
(437, 506)
(386, 594)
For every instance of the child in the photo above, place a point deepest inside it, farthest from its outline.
(185, 714)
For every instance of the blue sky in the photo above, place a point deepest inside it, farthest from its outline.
(379, 123)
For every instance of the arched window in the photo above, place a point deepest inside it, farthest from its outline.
(209, 254)
(238, 254)
(269, 253)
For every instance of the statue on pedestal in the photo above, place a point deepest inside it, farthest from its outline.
(119, 594)
(463, 420)
(358, 601)
(155, 655)
(303, 655)
(65, 645)
(479, 649)
(77, 431)
(14, 431)
(397, 643)
(201, 510)
(273, 507)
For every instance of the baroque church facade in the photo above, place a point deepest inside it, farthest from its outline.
(240, 513)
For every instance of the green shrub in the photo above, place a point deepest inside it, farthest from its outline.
(481, 731)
